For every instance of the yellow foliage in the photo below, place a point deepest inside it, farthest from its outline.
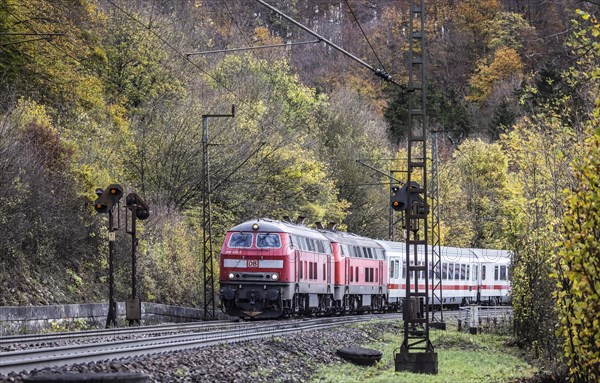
(506, 69)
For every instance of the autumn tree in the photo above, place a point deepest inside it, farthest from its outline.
(578, 259)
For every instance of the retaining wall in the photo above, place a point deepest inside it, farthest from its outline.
(32, 319)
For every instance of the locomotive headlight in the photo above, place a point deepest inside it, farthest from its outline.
(275, 276)
(255, 226)
(231, 276)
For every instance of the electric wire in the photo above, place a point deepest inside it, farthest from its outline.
(288, 137)
(364, 34)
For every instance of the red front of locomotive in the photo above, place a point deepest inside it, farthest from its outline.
(257, 270)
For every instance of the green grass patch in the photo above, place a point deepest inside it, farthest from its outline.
(461, 358)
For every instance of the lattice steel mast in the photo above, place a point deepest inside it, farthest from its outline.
(437, 311)
(416, 303)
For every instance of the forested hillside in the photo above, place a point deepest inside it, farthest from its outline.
(95, 92)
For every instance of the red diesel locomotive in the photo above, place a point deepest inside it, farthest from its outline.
(271, 269)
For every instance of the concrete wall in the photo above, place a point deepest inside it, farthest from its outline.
(32, 319)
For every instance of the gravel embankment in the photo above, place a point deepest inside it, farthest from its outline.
(292, 358)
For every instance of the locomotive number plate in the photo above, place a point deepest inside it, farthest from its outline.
(253, 263)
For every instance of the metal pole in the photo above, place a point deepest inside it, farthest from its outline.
(133, 252)
(111, 319)
(207, 250)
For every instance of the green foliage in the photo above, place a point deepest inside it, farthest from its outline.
(484, 188)
(170, 261)
(39, 203)
(445, 107)
(508, 30)
(539, 153)
(578, 276)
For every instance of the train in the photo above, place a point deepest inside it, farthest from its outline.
(272, 269)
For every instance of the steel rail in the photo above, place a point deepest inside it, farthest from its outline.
(71, 335)
(27, 360)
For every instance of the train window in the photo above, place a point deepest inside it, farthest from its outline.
(377, 274)
(268, 241)
(468, 271)
(315, 270)
(352, 274)
(502, 273)
(320, 247)
(366, 274)
(430, 270)
(370, 253)
(300, 271)
(475, 272)
(311, 244)
(324, 272)
(456, 271)
(240, 240)
(483, 272)
(356, 270)
(495, 273)
(392, 266)
(451, 271)
(305, 270)
(397, 269)
(301, 243)
(463, 272)
(444, 270)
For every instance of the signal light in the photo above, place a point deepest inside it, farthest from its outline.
(136, 204)
(399, 198)
(107, 198)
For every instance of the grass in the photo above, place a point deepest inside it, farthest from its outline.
(461, 358)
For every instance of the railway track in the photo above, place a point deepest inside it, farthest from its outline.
(112, 332)
(38, 358)
(102, 345)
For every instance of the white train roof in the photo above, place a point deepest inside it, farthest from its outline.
(450, 254)
(273, 226)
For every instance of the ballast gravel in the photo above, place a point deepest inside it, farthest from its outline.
(293, 358)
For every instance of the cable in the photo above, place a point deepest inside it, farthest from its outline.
(174, 49)
(366, 38)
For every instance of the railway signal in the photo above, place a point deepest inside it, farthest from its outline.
(107, 198)
(106, 201)
(139, 210)
(399, 198)
(138, 206)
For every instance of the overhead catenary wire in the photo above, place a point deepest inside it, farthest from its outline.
(253, 48)
(364, 34)
(287, 138)
(378, 72)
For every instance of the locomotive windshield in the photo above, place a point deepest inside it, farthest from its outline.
(240, 240)
(268, 241)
